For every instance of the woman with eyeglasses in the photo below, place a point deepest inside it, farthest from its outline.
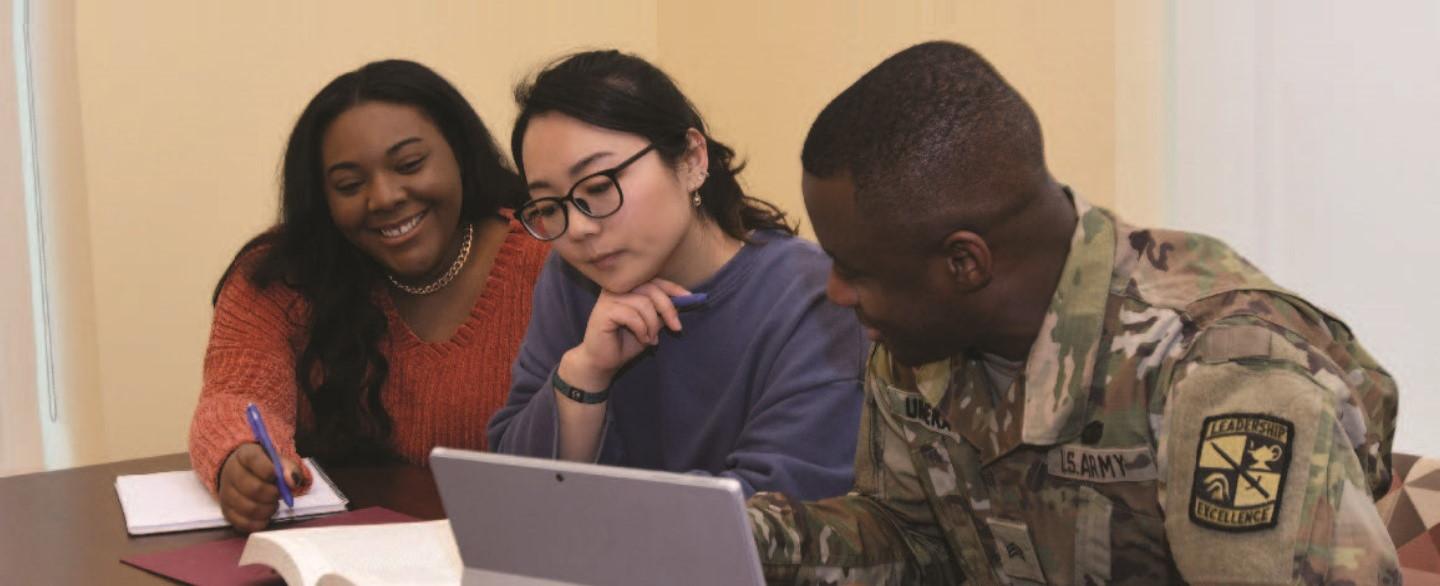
(679, 324)
(380, 316)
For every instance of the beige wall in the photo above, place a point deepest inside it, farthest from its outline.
(185, 106)
(1139, 112)
(761, 71)
(72, 425)
(19, 426)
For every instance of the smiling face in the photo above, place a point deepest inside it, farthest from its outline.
(636, 243)
(907, 299)
(393, 187)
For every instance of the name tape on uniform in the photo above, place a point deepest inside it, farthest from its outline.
(1090, 464)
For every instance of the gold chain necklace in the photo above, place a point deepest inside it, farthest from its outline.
(449, 275)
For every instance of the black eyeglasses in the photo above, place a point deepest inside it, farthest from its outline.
(596, 195)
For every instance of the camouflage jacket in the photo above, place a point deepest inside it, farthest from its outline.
(1179, 418)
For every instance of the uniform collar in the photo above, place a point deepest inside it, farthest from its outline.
(1058, 372)
(1061, 365)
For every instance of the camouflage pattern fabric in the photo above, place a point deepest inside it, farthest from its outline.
(1180, 418)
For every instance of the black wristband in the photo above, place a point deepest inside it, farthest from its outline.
(574, 394)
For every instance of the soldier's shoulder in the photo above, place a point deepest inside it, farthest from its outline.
(1175, 268)
(1257, 351)
(1230, 307)
(1225, 310)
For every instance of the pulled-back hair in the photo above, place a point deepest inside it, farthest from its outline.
(338, 364)
(625, 93)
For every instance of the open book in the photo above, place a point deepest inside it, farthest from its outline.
(177, 501)
(421, 553)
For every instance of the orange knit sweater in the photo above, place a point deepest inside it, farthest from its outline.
(437, 394)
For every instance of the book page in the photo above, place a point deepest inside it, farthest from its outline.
(394, 553)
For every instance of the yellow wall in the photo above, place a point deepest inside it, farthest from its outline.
(761, 71)
(185, 105)
(1139, 114)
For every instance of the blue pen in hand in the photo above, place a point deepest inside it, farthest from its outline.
(689, 301)
(257, 426)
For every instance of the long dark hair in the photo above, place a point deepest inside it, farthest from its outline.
(625, 93)
(338, 363)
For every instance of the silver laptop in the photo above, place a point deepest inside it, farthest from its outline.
(539, 521)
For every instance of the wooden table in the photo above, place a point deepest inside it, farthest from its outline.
(66, 527)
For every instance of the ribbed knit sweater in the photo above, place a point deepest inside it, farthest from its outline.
(437, 394)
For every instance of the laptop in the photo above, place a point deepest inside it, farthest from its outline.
(539, 521)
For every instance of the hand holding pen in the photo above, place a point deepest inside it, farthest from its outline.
(621, 326)
(262, 436)
(249, 486)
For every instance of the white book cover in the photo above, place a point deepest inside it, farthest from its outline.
(177, 501)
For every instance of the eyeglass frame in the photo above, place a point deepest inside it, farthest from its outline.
(612, 174)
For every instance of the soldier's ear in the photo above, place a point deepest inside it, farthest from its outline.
(968, 260)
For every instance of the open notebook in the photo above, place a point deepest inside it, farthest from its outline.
(177, 501)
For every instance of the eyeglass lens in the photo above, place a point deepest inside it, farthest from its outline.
(596, 196)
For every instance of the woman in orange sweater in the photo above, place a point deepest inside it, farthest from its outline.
(380, 316)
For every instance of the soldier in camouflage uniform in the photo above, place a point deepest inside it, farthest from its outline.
(1095, 403)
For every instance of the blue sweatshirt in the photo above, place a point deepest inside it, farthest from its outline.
(762, 385)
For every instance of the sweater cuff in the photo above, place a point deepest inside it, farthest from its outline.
(209, 451)
(211, 447)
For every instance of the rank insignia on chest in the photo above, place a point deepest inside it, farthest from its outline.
(1240, 471)
(1018, 557)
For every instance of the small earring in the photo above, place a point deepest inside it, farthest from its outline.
(695, 195)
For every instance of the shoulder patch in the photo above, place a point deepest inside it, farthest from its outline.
(1240, 468)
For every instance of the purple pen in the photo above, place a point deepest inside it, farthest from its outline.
(262, 436)
(689, 301)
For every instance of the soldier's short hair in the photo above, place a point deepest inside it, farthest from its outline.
(925, 127)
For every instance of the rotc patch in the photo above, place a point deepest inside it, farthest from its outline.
(1240, 471)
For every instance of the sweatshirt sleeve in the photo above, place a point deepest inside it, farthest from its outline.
(799, 434)
(527, 424)
(249, 359)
